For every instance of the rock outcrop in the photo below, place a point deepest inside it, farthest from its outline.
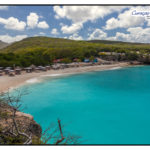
(25, 122)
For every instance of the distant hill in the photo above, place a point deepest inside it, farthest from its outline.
(44, 50)
(114, 42)
(41, 42)
(105, 41)
(3, 44)
(47, 43)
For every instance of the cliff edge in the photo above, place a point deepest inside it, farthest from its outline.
(25, 123)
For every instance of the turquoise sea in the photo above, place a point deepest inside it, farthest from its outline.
(103, 107)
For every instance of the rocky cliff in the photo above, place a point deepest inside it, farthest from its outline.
(25, 123)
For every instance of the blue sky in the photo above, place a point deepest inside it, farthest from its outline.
(75, 22)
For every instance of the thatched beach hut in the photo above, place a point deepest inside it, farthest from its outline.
(11, 73)
(48, 67)
(33, 67)
(7, 70)
(37, 69)
(42, 68)
(1, 68)
(1, 72)
(18, 71)
(28, 70)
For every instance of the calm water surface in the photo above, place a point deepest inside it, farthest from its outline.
(105, 107)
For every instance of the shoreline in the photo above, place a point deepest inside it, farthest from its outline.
(8, 83)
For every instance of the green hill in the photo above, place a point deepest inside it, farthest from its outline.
(116, 42)
(40, 42)
(43, 50)
(47, 43)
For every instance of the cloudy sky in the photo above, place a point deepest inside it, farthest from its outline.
(125, 23)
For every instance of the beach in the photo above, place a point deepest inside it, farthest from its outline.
(7, 82)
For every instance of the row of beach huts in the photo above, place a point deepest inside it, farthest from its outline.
(12, 71)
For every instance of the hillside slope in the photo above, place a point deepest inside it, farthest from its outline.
(116, 42)
(41, 42)
(47, 43)
(44, 50)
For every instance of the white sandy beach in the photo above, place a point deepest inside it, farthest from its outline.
(7, 82)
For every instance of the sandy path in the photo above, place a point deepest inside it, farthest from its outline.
(7, 82)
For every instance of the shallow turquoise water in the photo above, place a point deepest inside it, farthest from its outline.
(106, 107)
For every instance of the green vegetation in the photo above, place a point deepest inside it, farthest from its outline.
(43, 50)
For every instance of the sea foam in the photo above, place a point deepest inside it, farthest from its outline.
(33, 80)
(114, 68)
(52, 75)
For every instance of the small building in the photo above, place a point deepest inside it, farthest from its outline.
(6, 70)
(11, 73)
(1, 68)
(62, 66)
(71, 65)
(48, 67)
(56, 66)
(76, 60)
(86, 60)
(1, 72)
(57, 60)
(40, 66)
(95, 60)
(33, 67)
(8, 67)
(37, 69)
(43, 69)
(18, 71)
(28, 70)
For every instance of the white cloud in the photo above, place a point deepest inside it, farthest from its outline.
(3, 7)
(32, 20)
(13, 23)
(43, 25)
(97, 34)
(135, 34)
(54, 31)
(81, 14)
(42, 33)
(126, 20)
(35, 35)
(65, 37)
(71, 29)
(9, 39)
(75, 36)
